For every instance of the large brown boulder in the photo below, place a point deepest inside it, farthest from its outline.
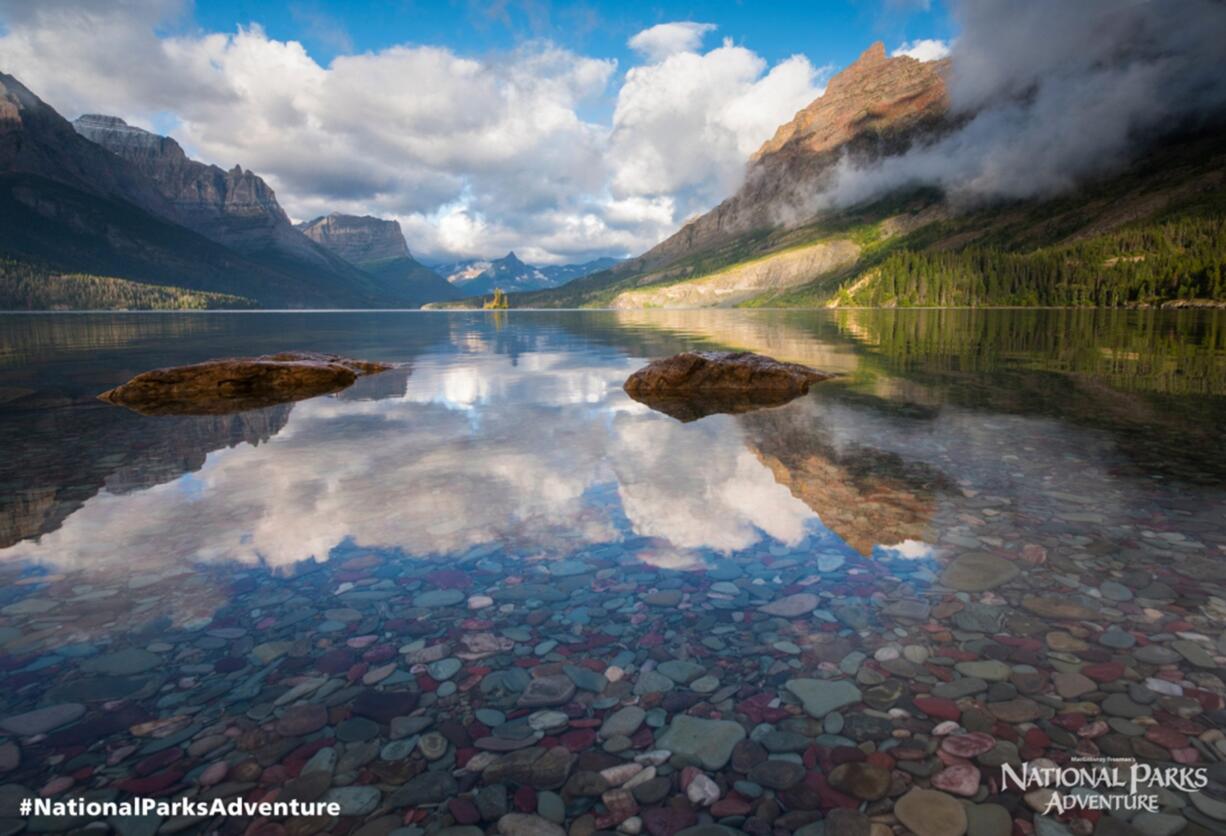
(235, 384)
(695, 384)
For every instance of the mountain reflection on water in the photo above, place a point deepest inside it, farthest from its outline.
(515, 431)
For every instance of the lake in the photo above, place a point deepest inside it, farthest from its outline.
(488, 580)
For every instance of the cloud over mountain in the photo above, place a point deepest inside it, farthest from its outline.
(474, 155)
(1063, 92)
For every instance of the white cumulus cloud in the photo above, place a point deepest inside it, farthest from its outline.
(665, 39)
(474, 155)
(683, 127)
(926, 49)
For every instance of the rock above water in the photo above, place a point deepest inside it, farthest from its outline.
(217, 387)
(708, 742)
(694, 384)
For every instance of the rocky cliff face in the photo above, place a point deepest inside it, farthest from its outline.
(235, 207)
(377, 247)
(358, 240)
(877, 106)
(35, 140)
(115, 200)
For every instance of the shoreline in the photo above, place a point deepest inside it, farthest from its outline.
(1210, 306)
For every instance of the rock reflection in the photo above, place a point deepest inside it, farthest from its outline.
(95, 447)
(545, 456)
(867, 496)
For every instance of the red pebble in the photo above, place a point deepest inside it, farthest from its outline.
(151, 785)
(379, 653)
(733, 805)
(1037, 737)
(1166, 737)
(161, 760)
(576, 740)
(450, 579)
(830, 797)
(1104, 671)
(810, 758)
(525, 799)
(880, 759)
(846, 754)
(968, 745)
(297, 759)
(464, 811)
(941, 709)
(1070, 722)
(274, 775)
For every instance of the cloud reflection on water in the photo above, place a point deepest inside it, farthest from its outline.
(479, 449)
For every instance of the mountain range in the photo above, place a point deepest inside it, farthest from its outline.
(1149, 233)
(477, 277)
(100, 213)
(377, 247)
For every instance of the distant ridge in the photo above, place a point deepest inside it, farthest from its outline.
(111, 202)
(476, 277)
(377, 246)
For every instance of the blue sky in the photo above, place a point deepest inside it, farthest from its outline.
(829, 31)
(563, 131)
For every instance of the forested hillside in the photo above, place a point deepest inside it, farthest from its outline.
(1146, 264)
(27, 287)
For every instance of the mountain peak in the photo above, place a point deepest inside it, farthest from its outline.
(511, 258)
(101, 120)
(875, 54)
(235, 208)
(878, 104)
(127, 141)
(358, 239)
(35, 139)
(874, 93)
